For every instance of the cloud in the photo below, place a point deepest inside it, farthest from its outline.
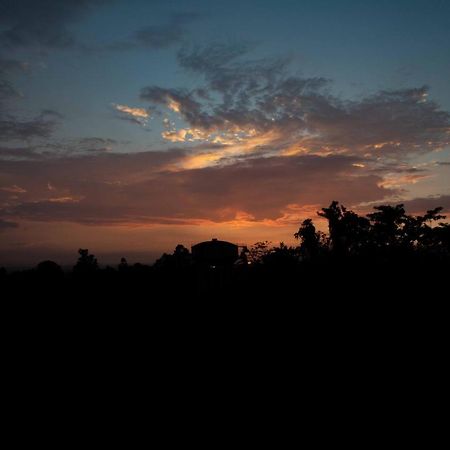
(64, 199)
(15, 129)
(157, 188)
(422, 204)
(18, 153)
(51, 114)
(159, 36)
(6, 225)
(177, 100)
(227, 72)
(397, 181)
(135, 112)
(78, 147)
(258, 103)
(45, 23)
(14, 189)
(93, 145)
(136, 115)
(50, 151)
(252, 143)
(147, 188)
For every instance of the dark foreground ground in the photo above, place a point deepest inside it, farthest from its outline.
(313, 330)
(360, 280)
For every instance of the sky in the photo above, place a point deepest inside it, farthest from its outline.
(127, 127)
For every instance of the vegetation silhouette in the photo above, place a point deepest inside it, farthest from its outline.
(87, 264)
(386, 253)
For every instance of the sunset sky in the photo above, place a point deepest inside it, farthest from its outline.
(127, 127)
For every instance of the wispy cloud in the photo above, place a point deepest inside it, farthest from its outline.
(136, 115)
(15, 129)
(14, 189)
(27, 23)
(142, 188)
(258, 106)
(64, 199)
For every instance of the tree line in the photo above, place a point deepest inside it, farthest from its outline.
(377, 245)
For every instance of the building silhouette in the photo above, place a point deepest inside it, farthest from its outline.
(215, 253)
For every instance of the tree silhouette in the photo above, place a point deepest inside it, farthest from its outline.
(86, 264)
(419, 231)
(257, 251)
(334, 216)
(440, 239)
(181, 257)
(388, 224)
(311, 241)
(49, 270)
(123, 265)
(349, 233)
(281, 257)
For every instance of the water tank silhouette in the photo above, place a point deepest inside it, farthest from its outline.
(215, 253)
